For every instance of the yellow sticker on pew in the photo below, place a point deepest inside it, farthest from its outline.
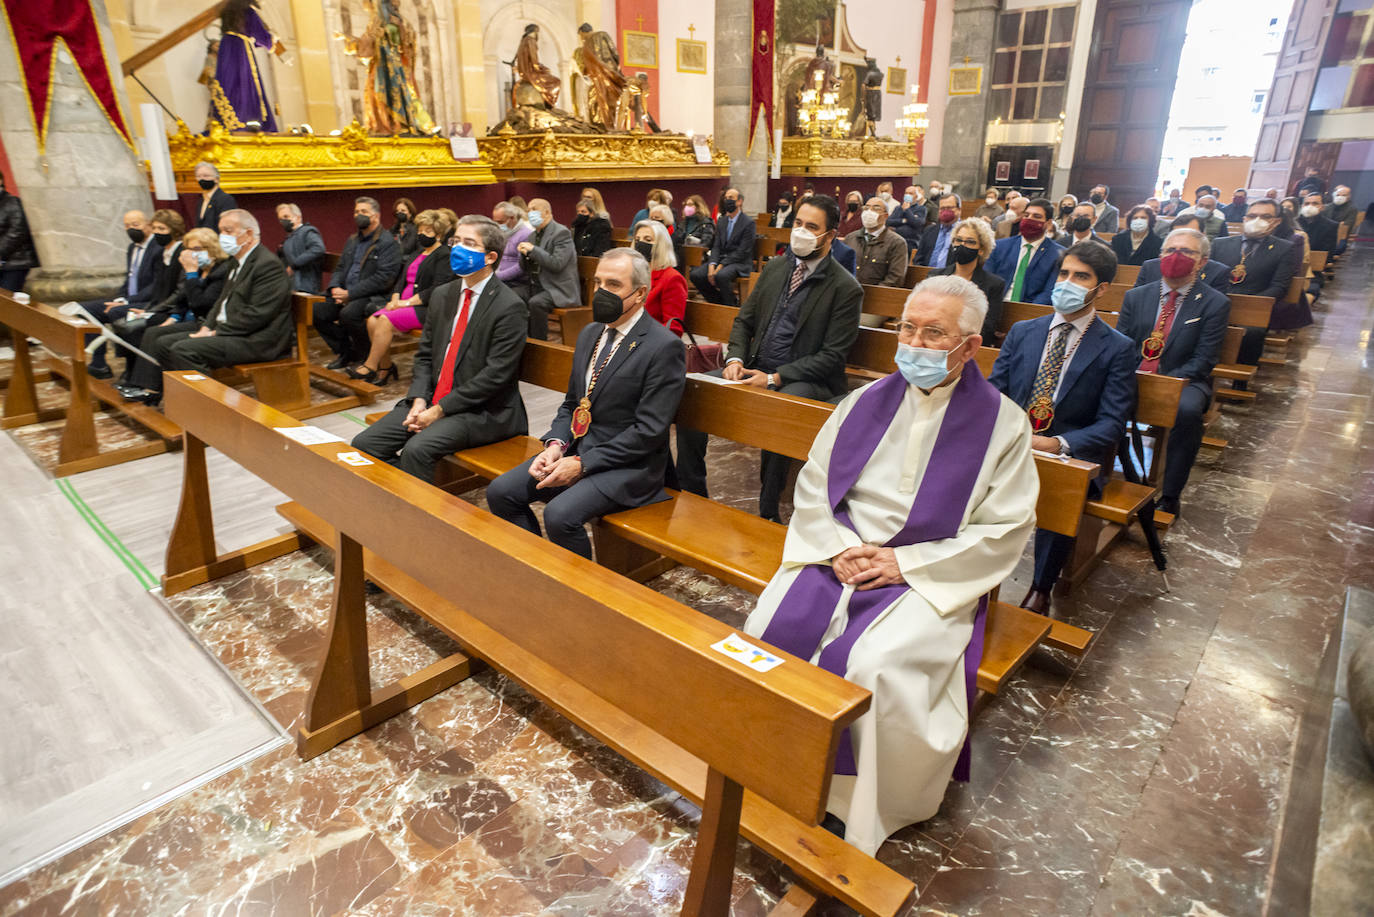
(742, 650)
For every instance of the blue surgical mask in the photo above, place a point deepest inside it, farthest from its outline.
(465, 261)
(923, 367)
(1068, 297)
(202, 257)
(536, 218)
(229, 244)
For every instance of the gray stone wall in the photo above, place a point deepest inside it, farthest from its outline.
(965, 120)
(733, 55)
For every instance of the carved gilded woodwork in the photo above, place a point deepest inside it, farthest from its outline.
(556, 157)
(839, 158)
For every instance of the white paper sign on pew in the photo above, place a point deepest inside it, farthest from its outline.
(743, 651)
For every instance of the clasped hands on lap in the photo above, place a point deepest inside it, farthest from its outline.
(551, 468)
(421, 415)
(735, 372)
(867, 567)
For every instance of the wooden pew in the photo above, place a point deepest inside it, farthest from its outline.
(65, 338)
(915, 273)
(666, 699)
(360, 392)
(1246, 312)
(1317, 260)
(1127, 274)
(620, 233)
(745, 550)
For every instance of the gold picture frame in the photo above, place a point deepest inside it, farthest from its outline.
(896, 80)
(691, 56)
(641, 48)
(965, 81)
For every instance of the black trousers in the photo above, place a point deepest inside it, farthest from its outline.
(1185, 439)
(773, 468)
(1052, 550)
(722, 289)
(106, 314)
(176, 349)
(13, 279)
(567, 509)
(541, 303)
(139, 371)
(419, 453)
(344, 328)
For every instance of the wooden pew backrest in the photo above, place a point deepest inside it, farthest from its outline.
(915, 273)
(885, 301)
(1250, 311)
(1157, 398)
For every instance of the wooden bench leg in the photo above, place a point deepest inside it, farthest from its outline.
(625, 557)
(713, 863)
(78, 434)
(286, 388)
(21, 396)
(1094, 537)
(798, 902)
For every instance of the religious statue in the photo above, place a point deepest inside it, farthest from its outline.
(530, 72)
(237, 95)
(598, 61)
(632, 113)
(820, 73)
(866, 125)
(391, 104)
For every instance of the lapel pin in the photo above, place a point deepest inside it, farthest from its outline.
(634, 344)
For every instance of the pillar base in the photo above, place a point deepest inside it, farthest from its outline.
(59, 285)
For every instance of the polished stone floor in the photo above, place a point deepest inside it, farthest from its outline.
(1153, 776)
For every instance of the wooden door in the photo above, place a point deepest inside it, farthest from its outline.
(1290, 94)
(1132, 68)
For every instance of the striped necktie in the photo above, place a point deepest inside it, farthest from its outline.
(1047, 379)
(798, 276)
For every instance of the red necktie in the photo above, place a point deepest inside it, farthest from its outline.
(1166, 321)
(460, 324)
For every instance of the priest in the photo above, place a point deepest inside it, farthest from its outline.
(916, 500)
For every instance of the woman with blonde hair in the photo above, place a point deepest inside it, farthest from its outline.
(599, 208)
(970, 245)
(667, 301)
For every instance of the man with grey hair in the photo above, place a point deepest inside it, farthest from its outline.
(302, 250)
(214, 200)
(511, 270)
(899, 534)
(607, 449)
(465, 390)
(251, 322)
(367, 270)
(1177, 326)
(549, 259)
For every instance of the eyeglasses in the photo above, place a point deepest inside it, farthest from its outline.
(929, 336)
(967, 243)
(1190, 252)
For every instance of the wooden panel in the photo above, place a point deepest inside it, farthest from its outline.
(1132, 69)
(1290, 93)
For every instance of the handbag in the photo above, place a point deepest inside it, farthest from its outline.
(703, 358)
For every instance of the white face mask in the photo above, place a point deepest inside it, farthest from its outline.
(803, 242)
(886, 196)
(1256, 226)
(1340, 198)
(992, 199)
(1139, 225)
(1203, 212)
(870, 220)
(1310, 210)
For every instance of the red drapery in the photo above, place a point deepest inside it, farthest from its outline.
(36, 28)
(761, 85)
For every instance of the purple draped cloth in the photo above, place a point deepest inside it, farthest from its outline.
(239, 82)
(804, 614)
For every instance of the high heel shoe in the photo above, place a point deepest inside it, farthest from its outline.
(389, 374)
(361, 373)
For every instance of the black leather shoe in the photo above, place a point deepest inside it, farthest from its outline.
(339, 363)
(1038, 601)
(833, 825)
(1168, 505)
(133, 392)
(99, 372)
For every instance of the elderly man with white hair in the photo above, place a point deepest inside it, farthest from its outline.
(251, 322)
(916, 500)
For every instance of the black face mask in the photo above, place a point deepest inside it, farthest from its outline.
(1080, 224)
(852, 206)
(402, 216)
(206, 183)
(607, 307)
(962, 254)
(162, 238)
(136, 235)
(728, 205)
(362, 221)
(287, 224)
(1065, 209)
(646, 249)
(580, 220)
(426, 240)
(1097, 198)
(784, 205)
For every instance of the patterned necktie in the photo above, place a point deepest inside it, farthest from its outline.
(1019, 280)
(1161, 333)
(798, 276)
(460, 325)
(607, 351)
(1048, 377)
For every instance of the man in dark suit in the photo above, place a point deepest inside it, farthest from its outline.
(466, 386)
(908, 219)
(359, 286)
(1106, 219)
(549, 257)
(1214, 274)
(608, 447)
(935, 240)
(1028, 262)
(1176, 327)
(1313, 183)
(251, 322)
(1075, 377)
(214, 200)
(1261, 265)
(1080, 227)
(792, 335)
(732, 253)
(1321, 231)
(142, 262)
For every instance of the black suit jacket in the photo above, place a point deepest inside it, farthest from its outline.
(994, 288)
(1267, 272)
(1321, 232)
(258, 305)
(827, 322)
(435, 271)
(381, 262)
(625, 451)
(220, 201)
(1214, 274)
(148, 269)
(1148, 250)
(1195, 337)
(486, 376)
(929, 236)
(739, 248)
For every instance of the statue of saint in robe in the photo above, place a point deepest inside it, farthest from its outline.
(529, 70)
(391, 104)
(237, 95)
(867, 123)
(600, 64)
(820, 73)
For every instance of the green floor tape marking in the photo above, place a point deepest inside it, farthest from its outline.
(126, 557)
(357, 420)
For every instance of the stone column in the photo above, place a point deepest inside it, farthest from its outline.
(75, 193)
(734, 45)
(966, 117)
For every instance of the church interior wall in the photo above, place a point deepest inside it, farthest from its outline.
(887, 30)
(686, 100)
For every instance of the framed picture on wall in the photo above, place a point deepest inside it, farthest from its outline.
(691, 56)
(641, 48)
(1004, 171)
(1032, 170)
(965, 81)
(896, 80)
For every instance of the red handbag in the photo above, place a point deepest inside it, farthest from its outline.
(703, 358)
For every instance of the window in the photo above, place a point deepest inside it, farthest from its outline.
(1257, 103)
(1030, 63)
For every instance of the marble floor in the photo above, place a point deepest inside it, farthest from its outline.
(1153, 776)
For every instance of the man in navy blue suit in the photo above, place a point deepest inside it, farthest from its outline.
(732, 253)
(141, 262)
(1075, 376)
(935, 240)
(1028, 262)
(1214, 274)
(1176, 326)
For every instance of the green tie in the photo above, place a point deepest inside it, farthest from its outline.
(1020, 278)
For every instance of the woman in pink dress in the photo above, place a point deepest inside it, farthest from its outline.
(426, 270)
